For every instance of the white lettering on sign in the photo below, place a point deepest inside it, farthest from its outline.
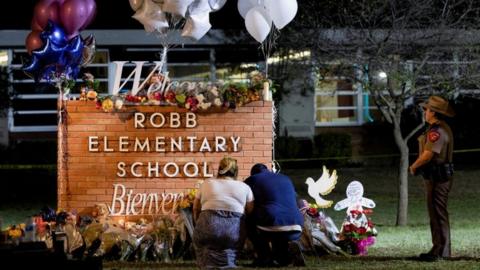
(158, 120)
(170, 169)
(136, 74)
(127, 202)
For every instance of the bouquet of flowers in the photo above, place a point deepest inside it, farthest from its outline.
(187, 201)
(320, 232)
(15, 233)
(358, 232)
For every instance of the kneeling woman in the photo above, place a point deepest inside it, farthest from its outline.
(219, 212)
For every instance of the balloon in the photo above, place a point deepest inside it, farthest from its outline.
(56, 55)
(150, 15)
(33, 41)
(245, 5)
(91, 12)
(136, 4)
(177, 7)
(258, 23)
(216, 4)
(73, 56)
(73, 15)
(197, 25)
(88, 50)
(35, 26)
(55, 34)
(46, 10)
(281, 11)
(199, 6)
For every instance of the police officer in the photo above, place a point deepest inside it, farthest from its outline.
(435, 164)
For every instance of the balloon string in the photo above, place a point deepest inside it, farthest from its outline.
(268, 45)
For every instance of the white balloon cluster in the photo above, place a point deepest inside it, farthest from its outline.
(153, 14)
(259, 15)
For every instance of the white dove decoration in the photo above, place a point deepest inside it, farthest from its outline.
(355, 199)
(322, 186)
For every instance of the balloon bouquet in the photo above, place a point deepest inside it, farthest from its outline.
(263, 19)
(165, 17)
(56, 49)
(57, 52)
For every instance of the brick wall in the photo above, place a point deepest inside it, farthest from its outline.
(86, 178)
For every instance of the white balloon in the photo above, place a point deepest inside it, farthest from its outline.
(216, 4)
(258, 23)
(152, 18)
(199, 6)
(197, 25)
(282, 12)
(245, 5)
(177, 7)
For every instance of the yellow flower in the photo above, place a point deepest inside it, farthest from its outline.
(184, 204)
(107, 105)
(14, 232)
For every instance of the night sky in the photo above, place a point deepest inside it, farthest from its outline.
(111, 14)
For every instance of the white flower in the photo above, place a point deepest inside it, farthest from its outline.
(200, 98)
(187, 106)
(118, 104)
(205, 106)
(214, 91)
(217, 102)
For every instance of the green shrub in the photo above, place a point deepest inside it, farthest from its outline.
(291, 148)
(333, 145)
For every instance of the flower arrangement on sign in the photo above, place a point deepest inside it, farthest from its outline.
(358, 231)
(201, 97)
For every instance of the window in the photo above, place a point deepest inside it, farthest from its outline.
(339, 101)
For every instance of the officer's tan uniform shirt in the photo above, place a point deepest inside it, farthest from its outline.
(437, 139)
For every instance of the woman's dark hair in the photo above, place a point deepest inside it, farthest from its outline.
(258, 168)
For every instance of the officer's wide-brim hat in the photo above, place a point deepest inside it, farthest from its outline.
(439, 105)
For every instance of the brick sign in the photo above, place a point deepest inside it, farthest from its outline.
(145, 158)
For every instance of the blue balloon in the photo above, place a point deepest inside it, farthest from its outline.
(56, 55)
(55, 34)
(74, 51)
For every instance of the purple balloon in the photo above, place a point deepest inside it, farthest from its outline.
(91, 12)
(73, 15)
(46, 10)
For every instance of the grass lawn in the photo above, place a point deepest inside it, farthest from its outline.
(396, 247)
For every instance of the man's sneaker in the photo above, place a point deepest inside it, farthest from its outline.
(296, 253)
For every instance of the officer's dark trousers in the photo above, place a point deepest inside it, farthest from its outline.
(437, 197)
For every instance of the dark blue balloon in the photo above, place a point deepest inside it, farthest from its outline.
(55, 34)
(74, 51)
(56, 56)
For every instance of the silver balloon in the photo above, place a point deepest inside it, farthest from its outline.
(136, 4)
(216, 5)
(88, 50)
(197, 25)
(152, 18)
(177, 7)
(199, 6)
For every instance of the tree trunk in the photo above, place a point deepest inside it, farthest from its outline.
(402, 209)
